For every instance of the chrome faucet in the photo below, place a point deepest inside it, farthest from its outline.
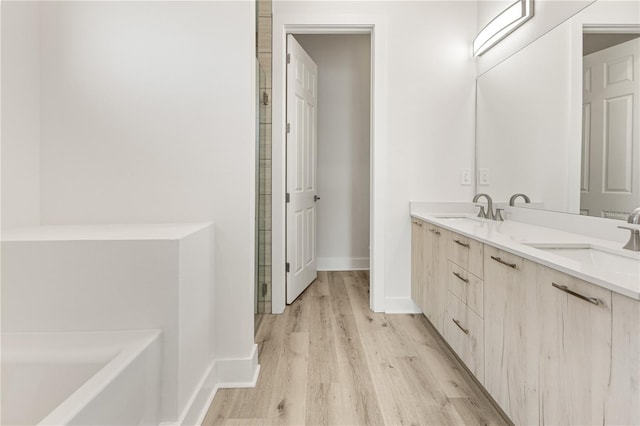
(512, 200)
(634, 240)
(489, 214)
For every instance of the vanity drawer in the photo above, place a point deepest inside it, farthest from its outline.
(464, 331)
(466, 253)
(467, 287)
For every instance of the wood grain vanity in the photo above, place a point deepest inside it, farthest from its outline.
(548, 347)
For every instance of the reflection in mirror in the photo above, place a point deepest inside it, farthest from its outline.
(523, 129)
(531, 136)
(610, 183)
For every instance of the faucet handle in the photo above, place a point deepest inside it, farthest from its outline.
(498, 215)
(481, 213)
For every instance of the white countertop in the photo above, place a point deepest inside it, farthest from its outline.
(121, 232)
(514, 236)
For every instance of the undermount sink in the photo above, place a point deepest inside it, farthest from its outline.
(613, 261)
(460, 218)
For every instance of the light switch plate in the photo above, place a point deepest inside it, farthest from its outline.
(465, 176)
(483, 177)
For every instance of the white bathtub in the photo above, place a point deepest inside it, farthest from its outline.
(92, 378)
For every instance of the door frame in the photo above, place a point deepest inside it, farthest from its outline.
(375, 25)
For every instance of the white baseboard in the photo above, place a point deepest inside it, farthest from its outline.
(239, 372)
(400, 305)
(225, 373)
(343, 264)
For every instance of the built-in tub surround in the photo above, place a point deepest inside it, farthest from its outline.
(126, 277)
(532, 242)
(81, 378)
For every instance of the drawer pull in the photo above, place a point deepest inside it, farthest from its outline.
(434, 231)
(461, 243)
(564, 288)
(456, 322)
(510, 265)
(461, 278)
(418, 223)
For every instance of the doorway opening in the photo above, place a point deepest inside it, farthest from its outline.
(328, 156)
(376, 27)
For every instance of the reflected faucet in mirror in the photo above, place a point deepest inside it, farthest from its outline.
(512, 200)
(634, 240)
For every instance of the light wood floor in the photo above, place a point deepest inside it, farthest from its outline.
(329, 360)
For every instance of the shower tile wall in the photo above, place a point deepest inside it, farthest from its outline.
(264, 8)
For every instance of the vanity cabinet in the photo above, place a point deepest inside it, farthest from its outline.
(511, 326)
(466, 287)
(429, 245)
(464, 331)
(623, 400)
(436, 244)
(548, 347)
(575, 349)
(466, 253)
(418, 263)
(463, 323)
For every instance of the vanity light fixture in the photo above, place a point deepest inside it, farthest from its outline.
(502, 25)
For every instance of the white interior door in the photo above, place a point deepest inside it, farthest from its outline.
(302, 101)
(610, 181)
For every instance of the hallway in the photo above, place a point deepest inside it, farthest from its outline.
(330, 360)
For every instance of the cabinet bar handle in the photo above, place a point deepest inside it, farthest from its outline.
(461, 278)
(418, 223)
(461, 243)
(456, 322)
(510, 265)
(564, 288)
(434, 231)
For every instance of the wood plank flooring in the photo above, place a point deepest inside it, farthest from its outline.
(329, 360)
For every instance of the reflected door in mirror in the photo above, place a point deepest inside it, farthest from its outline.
(610, 181)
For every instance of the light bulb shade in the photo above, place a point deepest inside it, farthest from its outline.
(502, 25)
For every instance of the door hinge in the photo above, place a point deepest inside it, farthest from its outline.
(288, 128)
(287, 198)
(286, 265)
(288, 58)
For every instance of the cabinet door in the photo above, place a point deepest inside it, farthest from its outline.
(623, 402)
(437, 241)
(418, 263)
(511, 334)
(576, 349)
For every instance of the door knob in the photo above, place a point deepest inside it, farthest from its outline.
(316, 198)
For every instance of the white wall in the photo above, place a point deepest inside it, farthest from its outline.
(428, 105)
(20, 114)
(145, 118)
(489, 9)
(344, 87)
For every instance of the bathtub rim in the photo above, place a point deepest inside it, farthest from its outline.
(134, 342)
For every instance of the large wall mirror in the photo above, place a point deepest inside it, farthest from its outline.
(560, 119)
